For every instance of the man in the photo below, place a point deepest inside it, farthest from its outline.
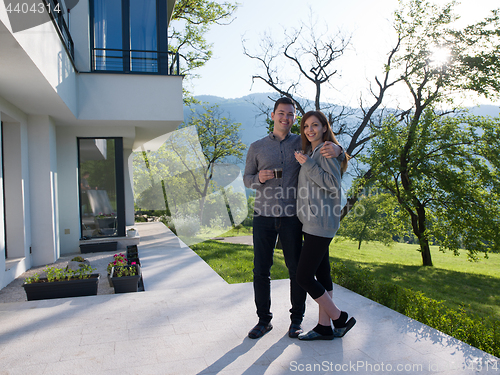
(275, 213)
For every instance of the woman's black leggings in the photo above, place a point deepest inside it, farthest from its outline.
(314, 261)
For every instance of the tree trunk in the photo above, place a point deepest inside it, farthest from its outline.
(351, 201)
(426, 252)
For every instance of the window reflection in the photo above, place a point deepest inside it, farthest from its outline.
(98, 187)
(143, 36)
(108, 35)
(125, 35)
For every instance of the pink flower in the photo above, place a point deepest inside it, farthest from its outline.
(133, 263)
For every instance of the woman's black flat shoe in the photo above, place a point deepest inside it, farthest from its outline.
(340, 332)
(313, 335)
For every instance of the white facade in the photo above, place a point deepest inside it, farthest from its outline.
(47, 101)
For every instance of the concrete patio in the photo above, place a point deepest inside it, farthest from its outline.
(190, 321)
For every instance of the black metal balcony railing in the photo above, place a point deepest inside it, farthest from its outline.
(61, 27)
(135, 61)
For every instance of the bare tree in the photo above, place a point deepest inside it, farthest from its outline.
(316, 59)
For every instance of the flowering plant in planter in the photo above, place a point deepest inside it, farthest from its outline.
(118, 261)
(126, 270)
(126, 278)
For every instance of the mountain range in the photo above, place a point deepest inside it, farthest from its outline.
(246, 110)
(240, 110)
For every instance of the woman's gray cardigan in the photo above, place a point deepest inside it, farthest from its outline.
(319, 194)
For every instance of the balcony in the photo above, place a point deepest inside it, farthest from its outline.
(111, 60)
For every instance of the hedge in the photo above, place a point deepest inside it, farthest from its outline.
(482, 333)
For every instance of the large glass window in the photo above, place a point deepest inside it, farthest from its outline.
(143, 36)
(108, 44)
(101, 187)
(126, 35)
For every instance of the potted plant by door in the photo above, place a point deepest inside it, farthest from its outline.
(125, 279)
(118, 260)
(131, 232)
(62, 283)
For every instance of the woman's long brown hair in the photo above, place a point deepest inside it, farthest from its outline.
(327, 136)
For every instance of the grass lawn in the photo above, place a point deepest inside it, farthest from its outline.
(234, 262)
(238, 231)
(453, 279)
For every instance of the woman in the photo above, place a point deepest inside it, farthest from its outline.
(318, 208)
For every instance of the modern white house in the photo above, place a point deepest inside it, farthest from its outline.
(79, 91)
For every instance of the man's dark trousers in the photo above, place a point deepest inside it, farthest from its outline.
(265, 232)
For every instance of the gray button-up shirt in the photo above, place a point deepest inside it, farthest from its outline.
(275, 197)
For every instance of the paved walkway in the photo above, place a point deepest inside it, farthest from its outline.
(189, 321)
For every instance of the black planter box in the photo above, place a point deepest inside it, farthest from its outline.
(98, 247)
(126, 284)
(133, 255)
(62, 289)
(132, 250)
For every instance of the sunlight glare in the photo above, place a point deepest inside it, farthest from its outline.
(439, 56)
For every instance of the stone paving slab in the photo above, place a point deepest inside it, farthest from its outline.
(189, 321)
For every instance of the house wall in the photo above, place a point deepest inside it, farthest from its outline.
(46, 51)
(43, 190)
(14, 189)
(46, 103)
(17, 194)
(129, 97)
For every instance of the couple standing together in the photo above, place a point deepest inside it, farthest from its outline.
(304, 201)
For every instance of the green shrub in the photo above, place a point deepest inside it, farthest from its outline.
(482, 333)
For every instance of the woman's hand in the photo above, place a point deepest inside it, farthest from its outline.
(301, 158)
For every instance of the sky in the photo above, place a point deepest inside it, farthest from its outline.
(229, 73)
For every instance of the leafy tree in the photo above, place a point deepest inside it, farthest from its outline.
(423, 29)
(418, 148)
(219, 136)
(446, 178)
(478, 50)
(375, 218)
(191, 20)
(190, 166)
(220, 142)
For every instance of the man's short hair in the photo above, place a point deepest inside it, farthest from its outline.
(283, 100)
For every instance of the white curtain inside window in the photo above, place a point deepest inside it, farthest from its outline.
(108, 34)
(143, 36)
